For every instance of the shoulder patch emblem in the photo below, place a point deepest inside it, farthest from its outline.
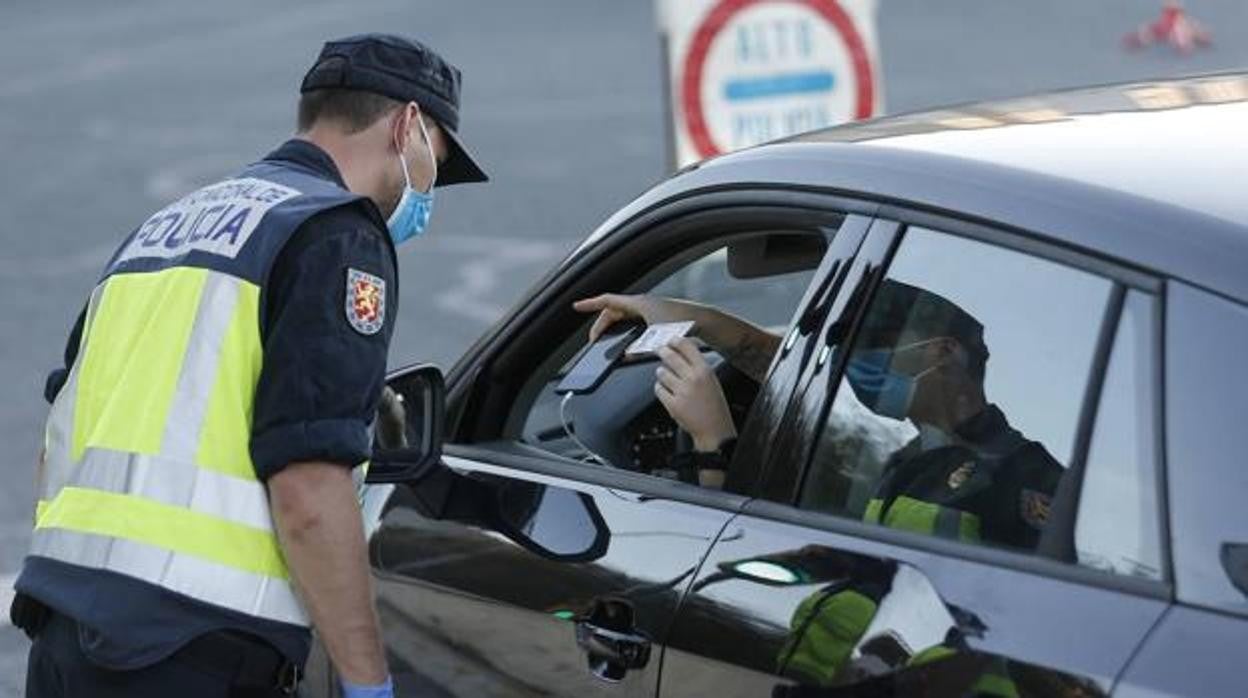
(1034, 507)
(959, 477)
(366, 301)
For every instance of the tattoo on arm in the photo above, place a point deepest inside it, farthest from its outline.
(752, 356)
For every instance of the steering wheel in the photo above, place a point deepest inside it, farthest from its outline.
(623, 422)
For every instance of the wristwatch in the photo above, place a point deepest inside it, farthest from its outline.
(688, 463)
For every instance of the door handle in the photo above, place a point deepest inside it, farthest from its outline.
(612, 652)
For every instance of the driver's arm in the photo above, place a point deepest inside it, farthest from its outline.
(745, 345)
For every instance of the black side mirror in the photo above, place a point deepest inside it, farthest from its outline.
(554, 522)
(408, 431)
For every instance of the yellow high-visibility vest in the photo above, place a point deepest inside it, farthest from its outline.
(148, 471)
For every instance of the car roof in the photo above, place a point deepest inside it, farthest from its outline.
(1152, 175)
(1179, 141)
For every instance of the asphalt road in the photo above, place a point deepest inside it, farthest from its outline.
(108, 110)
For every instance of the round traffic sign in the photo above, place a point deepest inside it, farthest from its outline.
(756, 70)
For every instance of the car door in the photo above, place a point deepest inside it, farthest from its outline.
(1196, 648)
(805, 593)
(549, 573)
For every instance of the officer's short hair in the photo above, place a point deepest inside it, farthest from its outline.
(353, 110)
(899, 308)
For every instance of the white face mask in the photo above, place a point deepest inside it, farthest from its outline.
(411, 215)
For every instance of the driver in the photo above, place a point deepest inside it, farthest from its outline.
(967, 474)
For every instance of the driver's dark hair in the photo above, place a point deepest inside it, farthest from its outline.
(351, 110)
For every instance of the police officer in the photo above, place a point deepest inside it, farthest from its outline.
(968, 475)
(197, 514)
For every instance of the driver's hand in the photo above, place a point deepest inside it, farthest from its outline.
(652, 310)
(689, 390)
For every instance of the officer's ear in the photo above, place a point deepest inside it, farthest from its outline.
(403, 126)
(955, 356)
(943, 349)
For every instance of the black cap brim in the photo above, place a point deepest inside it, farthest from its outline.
(460, 167)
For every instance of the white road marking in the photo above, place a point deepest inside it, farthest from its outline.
(6, 597)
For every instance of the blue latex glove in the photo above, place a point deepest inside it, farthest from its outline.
(384, 690)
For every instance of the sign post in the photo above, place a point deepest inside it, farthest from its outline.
(742, 72)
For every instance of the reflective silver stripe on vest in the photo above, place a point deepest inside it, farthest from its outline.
(217, 303)
(178, 483)
(59, 434)
(255, 595)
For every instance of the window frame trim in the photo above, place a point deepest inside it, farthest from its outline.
(1025, 242)
(854, 309)
(1155, 356)
(1066, 506)
(515, 457)
(1160, 441)
(862, 273)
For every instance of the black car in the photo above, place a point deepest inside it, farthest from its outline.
(1098, 237)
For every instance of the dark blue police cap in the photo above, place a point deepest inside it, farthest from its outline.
(405, 70)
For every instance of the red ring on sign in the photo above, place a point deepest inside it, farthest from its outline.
(718, 17)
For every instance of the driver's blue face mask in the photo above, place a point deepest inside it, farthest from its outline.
(884, 391)
(411, 215)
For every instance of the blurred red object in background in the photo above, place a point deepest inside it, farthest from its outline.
(1173, 27)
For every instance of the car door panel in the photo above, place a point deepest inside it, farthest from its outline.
(1190, 653)
(780, 603)
(469, 611)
